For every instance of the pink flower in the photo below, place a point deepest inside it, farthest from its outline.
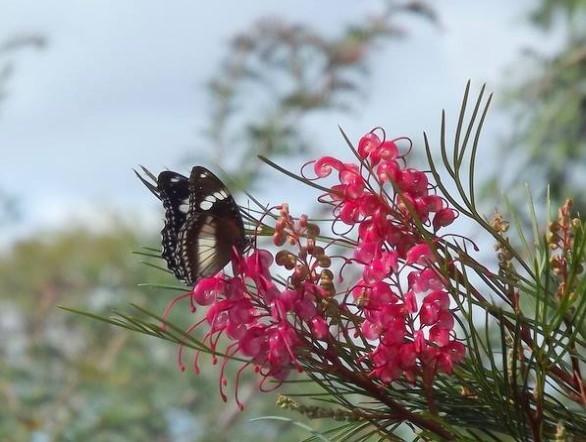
(380, 267)
(407, 356)
(387, 151)
(439, 336)
(324, 166)
(207, 289)
(349, 212)
(371, 146)
(444, 217)
(374, 296)
(253, 343)
(410, 302)
(305, 307)
(433, 305)
(388, 171)
(319, 327)
(419, 342)
(424, 280)
(445, 320)
(282, 342)
(387, 243)
(419, 254)
(413, 181)
(350, 174)
(258, 263)
(449, 355)
(367, 144)
(386, 360)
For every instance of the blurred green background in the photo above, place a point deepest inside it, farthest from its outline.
(90, 90)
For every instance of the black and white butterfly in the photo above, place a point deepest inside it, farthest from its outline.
(203, 224)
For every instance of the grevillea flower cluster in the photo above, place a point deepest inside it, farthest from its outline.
(412, 326)
(263, 319)
(280, 310)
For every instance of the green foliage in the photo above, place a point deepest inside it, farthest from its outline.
(549, 104)
(8, 203)
(547, 11)
(70, 378)
(525, 329)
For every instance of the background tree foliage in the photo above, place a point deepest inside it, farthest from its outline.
(549, 103)
(74, 379)
(8, 50)
(276, 75)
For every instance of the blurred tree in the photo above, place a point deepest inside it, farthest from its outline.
(8, 207)
(549, 103)
(65, 377)
(8, 49)
(278, 74)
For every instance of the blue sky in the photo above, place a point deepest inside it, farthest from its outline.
(122, 83)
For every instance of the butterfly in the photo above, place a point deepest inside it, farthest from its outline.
(203, 224)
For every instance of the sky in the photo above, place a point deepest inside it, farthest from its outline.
(122, 83)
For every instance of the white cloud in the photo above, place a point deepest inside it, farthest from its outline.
(121, 84)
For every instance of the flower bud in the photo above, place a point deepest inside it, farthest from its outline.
(324, 261)
(312, 230)
(279, 238)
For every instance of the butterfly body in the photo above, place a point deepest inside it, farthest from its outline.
(203, 225)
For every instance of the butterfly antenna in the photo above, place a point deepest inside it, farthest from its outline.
(148, 173)
(256, 224)
(154, 190)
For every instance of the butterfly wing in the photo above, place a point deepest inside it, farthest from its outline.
(212, 229)
(173, 190)
(202, 222)
(205, 244)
